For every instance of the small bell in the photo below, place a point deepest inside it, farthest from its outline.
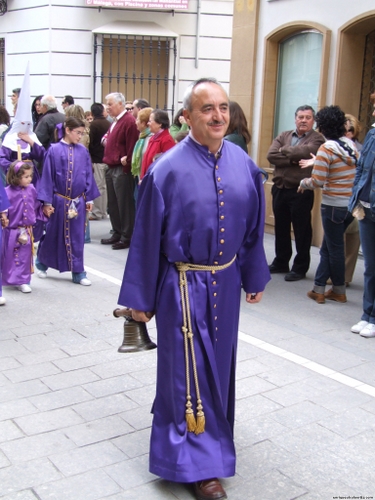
(136, 336)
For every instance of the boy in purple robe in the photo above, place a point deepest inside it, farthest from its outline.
(67, 188)
(198, 238)
(4, 204)
(24, 210)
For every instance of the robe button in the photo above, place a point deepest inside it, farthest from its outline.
(215, 318)
(214, 282)
(213, 271)
(220, 191)
(216, 263)
(217, 167)
(219, 179)
(222, 230)
(220, 253)
(222, 241)
(214, 306)
(222, 217)
(221, 203)
(215, 294)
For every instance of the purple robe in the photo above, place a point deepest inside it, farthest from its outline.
(4, 204)
(67, 175)
(195, 209)
(17, 259)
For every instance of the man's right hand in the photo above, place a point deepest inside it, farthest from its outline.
(142, 316)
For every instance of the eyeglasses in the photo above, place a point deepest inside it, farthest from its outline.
(129, 109)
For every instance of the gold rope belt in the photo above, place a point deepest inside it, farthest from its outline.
(193, 425)
(67, 197)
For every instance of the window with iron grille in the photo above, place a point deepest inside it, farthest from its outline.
(137, 66)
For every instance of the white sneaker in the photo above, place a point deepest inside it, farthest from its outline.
(359, 326)
(368, 331)
(85, 282)
(42, 274)
(2, 301)
(24, 288)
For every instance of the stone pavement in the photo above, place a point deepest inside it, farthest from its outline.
(75, 414)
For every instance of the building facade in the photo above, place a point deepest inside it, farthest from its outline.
(291, 52)
(90, 48)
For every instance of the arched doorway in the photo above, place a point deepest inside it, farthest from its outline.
(355, 75)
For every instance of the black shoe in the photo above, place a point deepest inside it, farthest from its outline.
(293, 276)
(110, 241)
(274, 269)
(121, 245)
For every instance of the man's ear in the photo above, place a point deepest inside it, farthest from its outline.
(186, 114)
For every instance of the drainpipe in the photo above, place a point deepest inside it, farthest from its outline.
(197, 34)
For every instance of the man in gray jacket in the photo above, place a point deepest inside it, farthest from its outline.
(290, 207)
(45, 129)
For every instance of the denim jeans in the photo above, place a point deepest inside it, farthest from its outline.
(367, 233)
(332, 253)
(76, 277)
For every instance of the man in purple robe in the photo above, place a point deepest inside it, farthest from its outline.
(198, 238)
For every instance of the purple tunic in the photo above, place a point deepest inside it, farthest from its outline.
(8, 156)
(67, 175)
(4, 204)
(195, 209)
(23, 212)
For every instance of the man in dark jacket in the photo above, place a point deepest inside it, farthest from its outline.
(45, 129)
(118, 150)
(290, 207)
(98, 128)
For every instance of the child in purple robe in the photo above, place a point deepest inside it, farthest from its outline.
(4, 204)
(24, 210)
(67, 188)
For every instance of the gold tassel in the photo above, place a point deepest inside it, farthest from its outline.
(201, 420)
(191, 424)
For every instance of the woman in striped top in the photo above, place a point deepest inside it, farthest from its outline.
(333, 171)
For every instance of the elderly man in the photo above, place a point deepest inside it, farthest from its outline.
(290, 207)
(118, 150)
(45, 130)
(139, 104)
(198, 238)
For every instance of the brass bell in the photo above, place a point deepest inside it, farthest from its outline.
(136, 336)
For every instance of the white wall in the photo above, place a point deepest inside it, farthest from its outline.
(56, 37)
(331, 13)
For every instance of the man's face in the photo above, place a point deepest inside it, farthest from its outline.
(114, 108)
(14, 98)
(43, 109)
(304, 121)
(135, 109)
(64, 104)
(209, 116)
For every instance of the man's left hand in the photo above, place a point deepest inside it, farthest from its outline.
(254, 298)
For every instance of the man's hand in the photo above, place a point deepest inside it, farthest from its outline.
(142, 316)
(254, 298)
(123, 160)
